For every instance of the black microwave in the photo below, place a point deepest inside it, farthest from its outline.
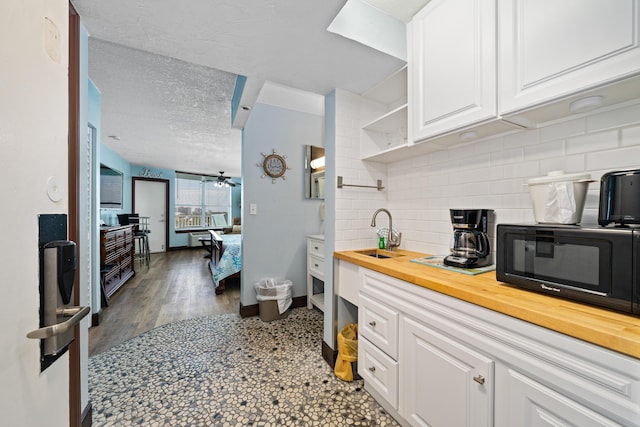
(593, 265)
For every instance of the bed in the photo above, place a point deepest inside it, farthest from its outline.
(226, 258)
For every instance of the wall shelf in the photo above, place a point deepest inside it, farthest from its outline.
(388, 130)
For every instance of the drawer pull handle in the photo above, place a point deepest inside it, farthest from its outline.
(372, 368)
(372, 323)
(479, 379)
(316, 265)
(316, 248)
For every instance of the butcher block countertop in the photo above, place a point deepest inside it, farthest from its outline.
(606, 328)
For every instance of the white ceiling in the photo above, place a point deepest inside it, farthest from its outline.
(166, 69)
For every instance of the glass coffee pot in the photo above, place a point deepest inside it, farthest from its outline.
(470, 244)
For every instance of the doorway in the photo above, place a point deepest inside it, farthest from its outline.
(151, 199)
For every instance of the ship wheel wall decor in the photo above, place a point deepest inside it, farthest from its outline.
(274, 166)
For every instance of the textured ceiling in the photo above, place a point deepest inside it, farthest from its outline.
(155, 63)
(166, 112)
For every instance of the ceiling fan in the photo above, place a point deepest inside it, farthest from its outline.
(221, 180)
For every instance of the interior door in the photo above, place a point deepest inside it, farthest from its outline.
(150, 200)
(35, 141)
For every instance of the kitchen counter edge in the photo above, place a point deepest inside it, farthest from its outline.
(605, 328)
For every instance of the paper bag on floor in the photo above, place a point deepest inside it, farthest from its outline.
(347, 352)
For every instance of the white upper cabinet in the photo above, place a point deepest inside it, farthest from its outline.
(550, 50)
(478, 68)
(453, 67)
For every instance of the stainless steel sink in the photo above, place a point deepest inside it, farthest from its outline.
(377, 253)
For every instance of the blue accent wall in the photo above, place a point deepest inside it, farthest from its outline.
(274, 240)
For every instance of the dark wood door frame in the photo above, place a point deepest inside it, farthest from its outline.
(75, 386)
(166, 202)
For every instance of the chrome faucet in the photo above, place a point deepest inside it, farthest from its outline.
(391, 241)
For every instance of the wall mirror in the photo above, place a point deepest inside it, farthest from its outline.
(314, 172)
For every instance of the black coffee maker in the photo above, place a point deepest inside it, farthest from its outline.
(470, 243)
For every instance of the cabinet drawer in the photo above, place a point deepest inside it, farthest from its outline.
(315, 266)
(379, 324)
(315, 248)
(379, 371)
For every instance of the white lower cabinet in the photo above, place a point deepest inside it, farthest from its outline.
(531, 403)
(444, 383)
(433, 360)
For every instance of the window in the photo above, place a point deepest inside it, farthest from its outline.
(201, 202)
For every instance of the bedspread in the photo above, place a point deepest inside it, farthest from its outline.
(231, 260)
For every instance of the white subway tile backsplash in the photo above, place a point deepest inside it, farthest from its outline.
(631, 136)
(506, 186)
(521, 139)
(553, 164)
(592, 142)
(574, 163)
(521, 170)
(547, 150)
(622, 158)
(615, 118)
(508, 156)
(489, 174)
(563, 130)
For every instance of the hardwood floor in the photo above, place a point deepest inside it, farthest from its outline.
(177, 286)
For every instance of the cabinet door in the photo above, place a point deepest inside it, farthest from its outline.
(453, 66)
(533, 404)
(443, 382)
(550, 49)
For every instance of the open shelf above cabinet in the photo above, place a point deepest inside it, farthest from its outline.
(394, 121)
(390, 90)
(386, 131)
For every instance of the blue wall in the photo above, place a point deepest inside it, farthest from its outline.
(274, 240)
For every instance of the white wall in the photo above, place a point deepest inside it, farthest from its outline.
(33, 138)
(274, 240)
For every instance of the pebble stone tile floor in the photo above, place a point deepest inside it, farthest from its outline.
(228, 371)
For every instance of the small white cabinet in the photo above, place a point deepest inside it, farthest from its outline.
(315, 269)
(550, 49)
